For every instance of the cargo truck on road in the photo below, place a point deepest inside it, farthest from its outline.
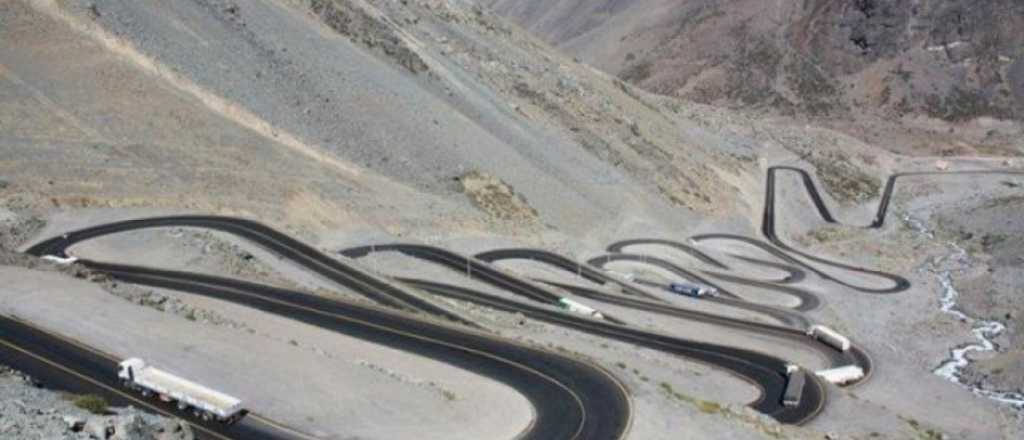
(841, 375)
(186, 395)
(830, 337)
(575, 307)
(691, 289)
(795, 380)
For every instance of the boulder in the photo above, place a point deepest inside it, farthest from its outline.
(129, 427)
(98, 427)
(75, 423)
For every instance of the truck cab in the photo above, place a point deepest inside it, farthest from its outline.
(128, 368)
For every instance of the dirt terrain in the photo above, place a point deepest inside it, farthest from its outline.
(355, 122)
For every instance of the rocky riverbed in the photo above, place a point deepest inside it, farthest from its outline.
(957, 367)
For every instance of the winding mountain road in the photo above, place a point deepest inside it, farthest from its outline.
(897, 283)
(766, 372)
(573, 399)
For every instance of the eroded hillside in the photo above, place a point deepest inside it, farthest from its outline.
(873, 60)
(388, 100)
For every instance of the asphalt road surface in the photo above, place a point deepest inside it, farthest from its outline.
(794, 331)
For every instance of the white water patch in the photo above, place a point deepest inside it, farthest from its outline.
(984, 331)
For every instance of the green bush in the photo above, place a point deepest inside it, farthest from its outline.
(92, 403)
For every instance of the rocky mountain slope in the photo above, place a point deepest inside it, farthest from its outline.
(948, 60)
(332, 107)
(438, 121)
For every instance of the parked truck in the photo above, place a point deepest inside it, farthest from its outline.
(842, 375)
(186, 395)
(575, 307)
(830, 337)
(795, 380)
(691, 289)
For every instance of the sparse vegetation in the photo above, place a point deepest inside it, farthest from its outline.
(351, 20)
(843, 180)
(497, 198)
(704, 406)
(92, 403)
(826, 234)
(637, 73)
(819, 93)
(922, 433)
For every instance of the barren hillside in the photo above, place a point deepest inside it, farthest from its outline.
(947, 60)
(385, 101)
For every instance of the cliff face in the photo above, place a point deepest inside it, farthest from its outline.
(950, 59)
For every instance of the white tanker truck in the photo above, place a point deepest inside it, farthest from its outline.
(830, 337)
(59, 260)
(794, 391)
(841, 375)
(186, 395)
(575, 307)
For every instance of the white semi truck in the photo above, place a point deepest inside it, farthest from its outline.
(830, 337)
(575, 307)
(203, 402)
(794, 391)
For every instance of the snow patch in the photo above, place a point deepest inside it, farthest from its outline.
(944, 47)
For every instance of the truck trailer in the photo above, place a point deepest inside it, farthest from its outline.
(841, 375)
(60, 260)
(830, 337)
(795, 380)
(575, 307)
(186, 395)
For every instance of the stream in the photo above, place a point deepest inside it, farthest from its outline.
(943, 267)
